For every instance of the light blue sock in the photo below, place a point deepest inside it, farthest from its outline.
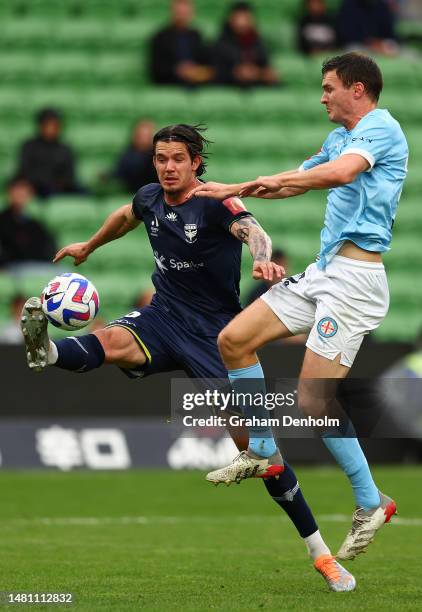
(350, 457)
(251, 380)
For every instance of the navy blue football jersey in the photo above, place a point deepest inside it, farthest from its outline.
(197, 259)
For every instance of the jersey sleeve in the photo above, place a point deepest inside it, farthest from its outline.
(373, 142)
(230, 210)
(319, 158)
(138, 203)
(142, 197)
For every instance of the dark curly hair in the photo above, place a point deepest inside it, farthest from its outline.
(191, 136)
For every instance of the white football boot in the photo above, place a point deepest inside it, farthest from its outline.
(335, 575)
(248, 465)
(34, 330)
(365, 524)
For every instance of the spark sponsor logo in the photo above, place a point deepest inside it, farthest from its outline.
(186, 265)
(176, 264)
(171, 216)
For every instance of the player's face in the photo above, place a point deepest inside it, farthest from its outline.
(175, 169)
(336, 97)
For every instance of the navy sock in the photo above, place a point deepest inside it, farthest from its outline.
(286, 493)
(80, 353)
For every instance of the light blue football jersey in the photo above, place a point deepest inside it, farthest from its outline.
(364, 211)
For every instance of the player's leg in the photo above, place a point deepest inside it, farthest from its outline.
(238, 342)
(259, 324)
(114, 345)
(200, 358)
(352, 299)
(287, 494)
(247, 332)
(316, 396)
(76, 353)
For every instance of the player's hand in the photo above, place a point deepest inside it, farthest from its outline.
(253, 191)
(267, 270)
(219, 191)
(260, 186)
(79, 251)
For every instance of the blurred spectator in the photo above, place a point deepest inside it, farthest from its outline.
(46, 162)
(280, 258)
(134, 168)
(11, 332)
(178, 53)
(22, 239)
(240, 54)
(316, 29)
(368, 24)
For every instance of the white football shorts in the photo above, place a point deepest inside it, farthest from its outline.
(338, 305)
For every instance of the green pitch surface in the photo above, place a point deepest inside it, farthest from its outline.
(168, 541)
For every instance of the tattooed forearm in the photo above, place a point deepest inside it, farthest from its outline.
(242, 234)
(249, 231)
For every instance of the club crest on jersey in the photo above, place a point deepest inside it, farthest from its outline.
(327, 327)
(171, 216)
(154, 226)
(191, 232)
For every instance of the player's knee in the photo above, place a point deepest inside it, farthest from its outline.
(107, 338)
(311, 404)
(305, 404)
(230, 344)
(114, 342)
(225, 345)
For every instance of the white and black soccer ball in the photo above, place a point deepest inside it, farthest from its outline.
(70, 301)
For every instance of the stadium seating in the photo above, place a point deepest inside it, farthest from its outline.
(89, 59)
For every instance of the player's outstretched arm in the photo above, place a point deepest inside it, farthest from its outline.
(340, 171)
(119, 223)
(249, 231)
(267, 187)
(219, 191)
(252, 191)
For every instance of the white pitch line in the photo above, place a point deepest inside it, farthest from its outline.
(344, 518)
(93, 521)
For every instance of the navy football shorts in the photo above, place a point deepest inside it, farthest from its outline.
(168, 345)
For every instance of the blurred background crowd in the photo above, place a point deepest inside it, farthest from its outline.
(86, 84)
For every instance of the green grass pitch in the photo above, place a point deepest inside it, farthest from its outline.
(168, 541)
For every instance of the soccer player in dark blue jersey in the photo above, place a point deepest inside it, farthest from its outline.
(197, 246)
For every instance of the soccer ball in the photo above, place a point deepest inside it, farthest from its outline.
(70, 301)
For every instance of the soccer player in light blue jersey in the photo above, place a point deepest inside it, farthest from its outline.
(343, 295)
